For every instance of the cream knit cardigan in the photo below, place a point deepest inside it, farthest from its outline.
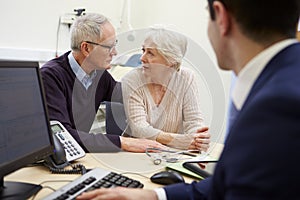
(179, 111)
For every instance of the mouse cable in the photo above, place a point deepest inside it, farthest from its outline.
(55, 181)
(134, 173)
(49, 187)
(43, 187)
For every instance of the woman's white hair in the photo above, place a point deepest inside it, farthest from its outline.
(86, 28)
(172, 45)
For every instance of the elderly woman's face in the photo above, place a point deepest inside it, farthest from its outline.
(154, 64)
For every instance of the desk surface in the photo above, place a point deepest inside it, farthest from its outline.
(134, 165)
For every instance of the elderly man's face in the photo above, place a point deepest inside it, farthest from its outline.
(103, 49)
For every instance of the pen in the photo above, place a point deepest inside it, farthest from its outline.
(189, 154)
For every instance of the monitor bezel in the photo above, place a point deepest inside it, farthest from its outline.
(14, 165)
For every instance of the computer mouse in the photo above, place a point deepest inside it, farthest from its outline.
(167, 178)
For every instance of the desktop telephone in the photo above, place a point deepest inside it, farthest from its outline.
(66, 149)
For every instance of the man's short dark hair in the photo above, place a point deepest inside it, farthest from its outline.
(263, 20)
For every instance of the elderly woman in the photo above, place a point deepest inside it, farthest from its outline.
(161, 99)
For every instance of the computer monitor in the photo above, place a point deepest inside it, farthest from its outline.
(25, 134)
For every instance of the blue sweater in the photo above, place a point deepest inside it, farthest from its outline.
(75, 107)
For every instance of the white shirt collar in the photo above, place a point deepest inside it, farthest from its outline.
(252, 70)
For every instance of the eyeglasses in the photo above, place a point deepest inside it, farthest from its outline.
(110, 48)
(158, 155)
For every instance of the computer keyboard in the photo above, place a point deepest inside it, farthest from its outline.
(96, 178)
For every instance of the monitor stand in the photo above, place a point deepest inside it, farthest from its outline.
(17, 190)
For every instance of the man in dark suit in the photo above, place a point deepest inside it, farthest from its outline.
(255, 39)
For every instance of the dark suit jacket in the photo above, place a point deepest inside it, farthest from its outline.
(259, 160)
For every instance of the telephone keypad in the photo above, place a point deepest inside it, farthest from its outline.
(72, 148)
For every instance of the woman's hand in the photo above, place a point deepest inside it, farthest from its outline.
(193, 141)
(201, 140)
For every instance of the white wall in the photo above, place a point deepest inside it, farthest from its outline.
(29, 28)
(32, 24)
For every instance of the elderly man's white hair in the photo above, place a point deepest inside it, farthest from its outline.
(86, 28)
(172, 45)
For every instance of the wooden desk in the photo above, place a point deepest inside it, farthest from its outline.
(134, 165)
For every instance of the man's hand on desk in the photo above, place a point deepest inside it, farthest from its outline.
(119, 193)
(139, 145)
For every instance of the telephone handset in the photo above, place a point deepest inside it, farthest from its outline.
(66, 149)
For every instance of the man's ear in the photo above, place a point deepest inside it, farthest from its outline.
(222, 17)
(84, 47)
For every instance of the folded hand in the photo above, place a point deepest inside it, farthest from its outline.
(201, 140)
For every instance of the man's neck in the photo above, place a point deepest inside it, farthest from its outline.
(244, 49)
(241, 58)
(81, 60)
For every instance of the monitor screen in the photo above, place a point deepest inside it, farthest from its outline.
(25, 135)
